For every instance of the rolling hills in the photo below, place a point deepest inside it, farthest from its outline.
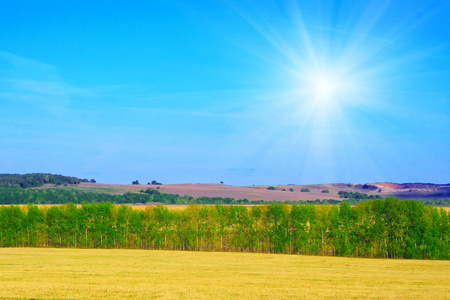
(419, 191)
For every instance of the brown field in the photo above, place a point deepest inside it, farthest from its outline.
(44, 273)
(227, 191)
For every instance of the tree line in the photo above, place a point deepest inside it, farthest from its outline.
(357, 195)
(70, 195)
(37, 179)
(389, 228)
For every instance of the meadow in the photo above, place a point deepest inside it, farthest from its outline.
(44, 273)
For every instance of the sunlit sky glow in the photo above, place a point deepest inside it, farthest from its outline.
(245, 92)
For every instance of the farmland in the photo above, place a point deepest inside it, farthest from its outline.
(281, 192)
(143, 274)
(40, 188)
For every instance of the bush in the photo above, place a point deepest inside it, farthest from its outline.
(291, 190)
(271, 188)
(305, 190)
(325, 191)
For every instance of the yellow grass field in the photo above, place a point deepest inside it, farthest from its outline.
(44, 273)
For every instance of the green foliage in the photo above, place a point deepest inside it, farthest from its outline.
(325, 191)
(305, 190)
(291, 190)
(68, 195)
(389, 228)
(357, 195)
(151, 191)
(272, 188)
(35, 180)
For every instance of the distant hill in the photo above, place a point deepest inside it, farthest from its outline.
(287, 192)
(416, 190)
(417, 185)
(279, 192)
(36, 180)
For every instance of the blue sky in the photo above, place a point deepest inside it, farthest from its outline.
(245, 92)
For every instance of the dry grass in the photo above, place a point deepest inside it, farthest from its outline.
(145, 274)
(446, 208)
(221, 190)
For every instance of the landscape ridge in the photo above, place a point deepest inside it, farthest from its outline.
(279, 192)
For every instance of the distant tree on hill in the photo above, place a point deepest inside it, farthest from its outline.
(93, 181)
(357, 195)
(291, 190)
(325, 191)
(271, 188)
(305, 190)
(221, 182)
(154, 182)
(151, 191)
(136, 182)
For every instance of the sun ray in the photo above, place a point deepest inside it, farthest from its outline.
(341, 66)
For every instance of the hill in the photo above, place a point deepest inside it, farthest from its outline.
(289, 192)
(282, 192)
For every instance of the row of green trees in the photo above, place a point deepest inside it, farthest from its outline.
(389, 228)
(37, 179)
(71, 195)
(357, 195)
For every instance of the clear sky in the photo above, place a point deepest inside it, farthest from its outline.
(245, 92)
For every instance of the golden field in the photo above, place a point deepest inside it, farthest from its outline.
(49, 273)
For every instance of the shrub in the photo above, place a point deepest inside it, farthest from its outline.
(325, 191)
(271, 188)
(305, 190)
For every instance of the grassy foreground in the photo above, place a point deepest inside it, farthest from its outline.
(143, 274)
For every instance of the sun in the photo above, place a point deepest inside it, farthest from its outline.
(323, 87)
